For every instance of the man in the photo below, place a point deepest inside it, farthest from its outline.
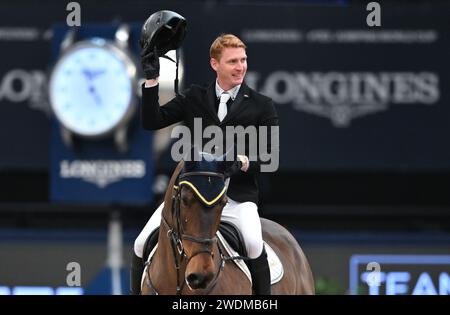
(227, 101)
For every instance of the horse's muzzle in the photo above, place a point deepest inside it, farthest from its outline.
(199, 280)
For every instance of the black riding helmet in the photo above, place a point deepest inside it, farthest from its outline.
(164, 30)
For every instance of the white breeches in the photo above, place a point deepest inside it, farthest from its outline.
(244, 215)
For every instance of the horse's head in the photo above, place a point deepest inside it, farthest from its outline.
(198, 204)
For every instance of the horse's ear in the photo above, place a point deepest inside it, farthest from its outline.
(190, 158)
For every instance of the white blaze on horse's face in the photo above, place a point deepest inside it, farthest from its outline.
(201, 223)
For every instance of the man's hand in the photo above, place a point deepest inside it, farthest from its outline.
(233, 168)
(150, 63)
(245, 162)
(242, 163)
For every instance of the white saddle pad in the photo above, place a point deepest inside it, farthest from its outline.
(276, 268)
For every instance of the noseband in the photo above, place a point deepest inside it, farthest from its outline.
(177, 236)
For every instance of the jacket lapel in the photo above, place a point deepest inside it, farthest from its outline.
(211, 102)
(237, 106)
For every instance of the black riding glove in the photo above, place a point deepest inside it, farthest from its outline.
(233, 168)
(150, 63)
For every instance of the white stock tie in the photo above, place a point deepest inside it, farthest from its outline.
(223, 105)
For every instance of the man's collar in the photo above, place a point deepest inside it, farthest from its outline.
(233, 92)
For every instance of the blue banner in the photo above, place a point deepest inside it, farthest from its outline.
(114, 167)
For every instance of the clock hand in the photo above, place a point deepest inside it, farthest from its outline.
(88, 74)
(98, 72)
(94, 93)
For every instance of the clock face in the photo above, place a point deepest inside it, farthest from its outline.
(91, 88)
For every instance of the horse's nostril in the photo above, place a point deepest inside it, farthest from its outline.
(208, 277)
(199, 280)
(195, 280)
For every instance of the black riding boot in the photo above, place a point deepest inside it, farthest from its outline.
(137, 268)
(259, 268)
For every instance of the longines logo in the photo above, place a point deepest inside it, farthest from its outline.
(20, 85)
(101, 172)
(343, 96)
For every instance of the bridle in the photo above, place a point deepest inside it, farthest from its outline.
(177, 236)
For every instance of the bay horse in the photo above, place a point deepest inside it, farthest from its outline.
(189, 261)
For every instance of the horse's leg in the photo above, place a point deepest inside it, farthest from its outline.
(298, 278)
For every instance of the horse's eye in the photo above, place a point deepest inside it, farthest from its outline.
(185, 201)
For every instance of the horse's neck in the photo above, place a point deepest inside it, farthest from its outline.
(165, 252)
(163, 269)
(168, 201)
